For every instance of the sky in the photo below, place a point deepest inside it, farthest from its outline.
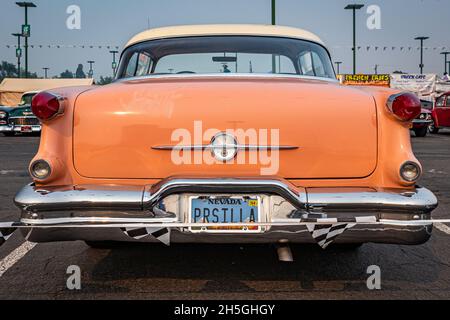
(114, 22)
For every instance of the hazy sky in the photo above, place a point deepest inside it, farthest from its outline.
(113, 22)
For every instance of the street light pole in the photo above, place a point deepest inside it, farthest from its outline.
(114, 65)
(274, 22)
(338, 64)
(446, 61)
(45, 70)
(26, 35)
(18, 52)
(91, 70)
(354, 7)
(376, 69)
(421, 39)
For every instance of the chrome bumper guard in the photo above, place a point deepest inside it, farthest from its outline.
(127, 213)
(97, 205)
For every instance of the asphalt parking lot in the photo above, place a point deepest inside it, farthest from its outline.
(29, 271)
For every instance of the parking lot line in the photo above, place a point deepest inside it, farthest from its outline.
(15, 256)
(442, 227)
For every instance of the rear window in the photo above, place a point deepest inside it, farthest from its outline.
(226, 55)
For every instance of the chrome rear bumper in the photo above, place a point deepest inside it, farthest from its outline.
(401, 212)
(18, 128)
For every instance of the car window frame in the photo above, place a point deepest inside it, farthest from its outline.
(120, 75)
(444, 99)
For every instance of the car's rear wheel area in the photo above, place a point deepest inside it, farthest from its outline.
(422, 132)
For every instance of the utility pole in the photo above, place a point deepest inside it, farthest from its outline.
(114, 64)
(421, 39)
(274, 22)
(45, 70)
(26, 30)
(91, 70)
(376, 69)
(338, 64)
(446, 61)
(18, 52)
(354, 7)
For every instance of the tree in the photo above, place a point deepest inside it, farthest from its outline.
(31, 75)
(66, 75)
(7, 70)
(105, 80)
(79, 74)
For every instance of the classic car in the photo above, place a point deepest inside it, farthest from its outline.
(441, 113)
(20, 119)
(422, 123)
(209, 135)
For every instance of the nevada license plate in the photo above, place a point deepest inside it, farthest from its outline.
(26, 129)
(225, 210)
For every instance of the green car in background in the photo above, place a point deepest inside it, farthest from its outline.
(20, 119)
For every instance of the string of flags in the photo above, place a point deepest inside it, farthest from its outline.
(392, 48)
(66, 46)
(359, 48)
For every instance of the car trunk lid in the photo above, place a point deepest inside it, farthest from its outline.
(117, 127)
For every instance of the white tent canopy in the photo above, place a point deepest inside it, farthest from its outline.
(12, 89)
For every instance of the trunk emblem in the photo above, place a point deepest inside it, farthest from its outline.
(224, 146)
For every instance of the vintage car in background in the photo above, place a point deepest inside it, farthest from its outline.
(209, 135)
(4, 112)
(441, 113)
(20, 119)
(422, 123)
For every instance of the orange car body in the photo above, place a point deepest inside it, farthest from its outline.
(346, 151)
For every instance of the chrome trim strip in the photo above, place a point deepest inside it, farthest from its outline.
(228, 146)
(229, 75)
(24, 117)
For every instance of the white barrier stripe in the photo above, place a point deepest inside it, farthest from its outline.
(10, 260)
(442, 227)
(47, 224)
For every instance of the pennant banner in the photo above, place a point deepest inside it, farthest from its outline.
(161, 234)
(6, 231)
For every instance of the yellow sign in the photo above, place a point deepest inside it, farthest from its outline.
(381, 80)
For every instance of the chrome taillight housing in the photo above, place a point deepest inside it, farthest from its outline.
(410, 171)
(47, 106)
(404, 106)
(40, 170)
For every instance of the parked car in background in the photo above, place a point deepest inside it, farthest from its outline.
(424, 120)
(20, 119)
(4, 114)
(181, 149)
(441, 113)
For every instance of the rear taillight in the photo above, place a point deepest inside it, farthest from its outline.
(46, 106)
(405, 106)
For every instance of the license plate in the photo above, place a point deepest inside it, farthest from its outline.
(225, 210)
(26, 129)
